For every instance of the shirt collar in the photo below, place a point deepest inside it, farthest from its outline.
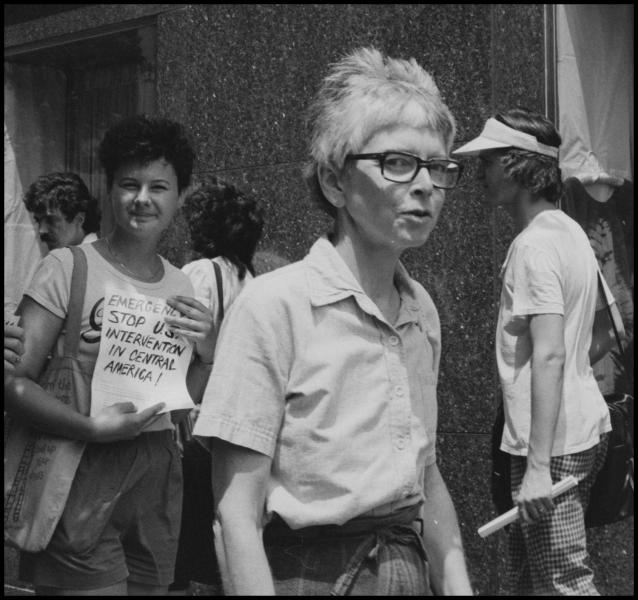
(331, 280)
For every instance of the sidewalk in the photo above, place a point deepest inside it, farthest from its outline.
(197, 590)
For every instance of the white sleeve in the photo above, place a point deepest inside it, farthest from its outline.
(536, 283)
(201, 274)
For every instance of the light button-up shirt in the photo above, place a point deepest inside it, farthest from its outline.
(309, 372)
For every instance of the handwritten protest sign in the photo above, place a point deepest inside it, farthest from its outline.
(140, 360)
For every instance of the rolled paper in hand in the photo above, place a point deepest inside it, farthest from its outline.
(511, 515)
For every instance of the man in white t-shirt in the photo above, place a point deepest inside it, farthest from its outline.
(556, 419)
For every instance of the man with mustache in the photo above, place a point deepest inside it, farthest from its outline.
(64, 210)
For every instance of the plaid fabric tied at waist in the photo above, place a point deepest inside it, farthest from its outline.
(403, 527)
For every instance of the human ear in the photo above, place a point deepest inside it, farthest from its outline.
(331, 185)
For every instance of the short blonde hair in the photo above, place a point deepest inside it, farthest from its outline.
(363, 92)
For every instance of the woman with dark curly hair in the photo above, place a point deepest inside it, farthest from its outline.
(118, 532)
(225, 226)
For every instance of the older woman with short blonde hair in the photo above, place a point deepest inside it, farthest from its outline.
(322, 400)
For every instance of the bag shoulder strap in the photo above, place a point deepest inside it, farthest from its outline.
(220, 290)
(601, 290)
(73, 320)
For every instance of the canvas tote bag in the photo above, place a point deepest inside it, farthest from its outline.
(38, 467)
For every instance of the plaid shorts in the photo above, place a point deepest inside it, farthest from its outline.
(549, 557)
(376, 556)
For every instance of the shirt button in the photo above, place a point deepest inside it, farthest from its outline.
(398, 390)
(400, 444)
(394, 340)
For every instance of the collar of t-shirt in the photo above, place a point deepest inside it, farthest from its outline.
(538, 220)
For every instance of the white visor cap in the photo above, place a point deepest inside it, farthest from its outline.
(498, 135)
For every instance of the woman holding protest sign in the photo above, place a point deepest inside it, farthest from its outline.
(139, 326)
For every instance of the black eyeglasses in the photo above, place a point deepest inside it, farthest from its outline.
(401, 167)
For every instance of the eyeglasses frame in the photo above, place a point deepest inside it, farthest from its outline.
(420, 163)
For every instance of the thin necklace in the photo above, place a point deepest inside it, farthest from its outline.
(133, 273)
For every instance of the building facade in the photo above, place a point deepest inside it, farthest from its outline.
(240, 77)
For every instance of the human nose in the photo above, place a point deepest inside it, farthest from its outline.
(143, 195)
(422, 182)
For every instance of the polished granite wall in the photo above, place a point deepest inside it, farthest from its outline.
(240, 77)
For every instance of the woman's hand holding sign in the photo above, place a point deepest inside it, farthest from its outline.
(196, 324)
(122, 421)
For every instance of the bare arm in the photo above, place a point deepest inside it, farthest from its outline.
(239, 478)
(548, 361)
(25, 399)
(442, 538)
(197, 379)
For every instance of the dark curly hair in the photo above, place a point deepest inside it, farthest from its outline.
(66, 192)
(535, 172)
(224, 221)
(142, 139)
